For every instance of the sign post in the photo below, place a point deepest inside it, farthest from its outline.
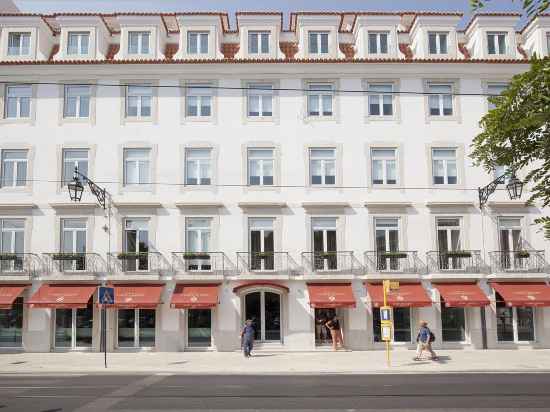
(106, 298)
(386, 317)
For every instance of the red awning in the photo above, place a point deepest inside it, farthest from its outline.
(462, 294)
(408, 295)
(138, 296)
(194, 296)
(331, 295)
(523, 294)
(8, 293)
(62, 296)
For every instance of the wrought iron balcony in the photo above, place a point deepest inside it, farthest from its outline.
(199, 262)
(458, 261)
(343, 262)
(402, 261)
(20, 264)
(130, 262)
(531, 261)
(66, 262)
(279, 262)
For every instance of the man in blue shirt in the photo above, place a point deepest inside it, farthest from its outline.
(247, 338)
(424, 339)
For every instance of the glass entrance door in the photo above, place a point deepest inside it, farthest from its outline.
(264, 309)
(199, 328)
(136, 328)
(74, 327)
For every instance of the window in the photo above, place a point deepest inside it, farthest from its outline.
(260, 167)
(260, 100)
(74, 327)
(11, 325)
(197, 240)
(449, 240)
(444, 166)
(73, 241)
(440, 99)
(401, 325)
(138, 42)
(77, 102)
(378, 42)
(322, 165)
(72, 158)
(198, 168)
(19, 44)
(502, 170)
(136, 328)
(380, 99)
(18, 101)
(136, 241)
(258, 42)
(14, 168)
(261, 244)
(387, 240)
(12, 241)
(495, 90)
(136, 167)
(318, 42)
(453, 323)
(197, 42)
(199, 328)
(319, 100)
(138, 101)
(384, 166)
(324, 243)
(78, 43)
(514, 324)
(496, 43)
(198, 100)
(510, 241)
(437, 43)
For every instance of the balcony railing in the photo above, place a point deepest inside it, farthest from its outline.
(264, 262)
(20, 264)
(330, 262)
(129, 262)
(199, 262)
(531, 261)
(460, 261)
(402, 261)
(64, 262)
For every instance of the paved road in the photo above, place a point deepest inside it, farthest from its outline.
(163, 392)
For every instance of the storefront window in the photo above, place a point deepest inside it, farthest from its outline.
(73, 327)
(401, 325)
(199, 327)
(11, 325)
(514, 324)
(132, 334)
(453, 323)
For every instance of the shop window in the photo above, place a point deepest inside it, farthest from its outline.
(136, 328)
(401, 325)
(199, 327)
(514, 324)
(453, 324)
(11, 325)
(74, 327)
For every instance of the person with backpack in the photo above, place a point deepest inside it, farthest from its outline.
(424, 339)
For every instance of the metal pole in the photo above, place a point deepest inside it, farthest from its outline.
(482, 309)
(385, 286)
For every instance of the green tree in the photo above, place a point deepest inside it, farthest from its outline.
(516, 133)
(530, 7)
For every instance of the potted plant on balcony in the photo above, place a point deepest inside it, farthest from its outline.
(264, 255)
(129, 255)
(8, 256)
(196, 256)
(325, 255)
(67, 256)
(522, 254)
(393, 254)
(458, 254)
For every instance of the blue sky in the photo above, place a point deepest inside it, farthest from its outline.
(44, 6)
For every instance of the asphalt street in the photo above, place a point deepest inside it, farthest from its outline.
(165, 392)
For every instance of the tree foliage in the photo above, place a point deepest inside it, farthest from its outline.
(517, 133)
(530, 7)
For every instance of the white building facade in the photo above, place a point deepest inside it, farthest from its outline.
(266, 173)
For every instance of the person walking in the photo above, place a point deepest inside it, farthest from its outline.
(247, 338)
(335, 332)
(424, 340)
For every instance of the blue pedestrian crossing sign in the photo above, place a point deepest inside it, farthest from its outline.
(106, 295)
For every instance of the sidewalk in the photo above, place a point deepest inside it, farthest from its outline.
(275, 363)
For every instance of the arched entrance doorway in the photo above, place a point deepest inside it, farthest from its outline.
(263, 307)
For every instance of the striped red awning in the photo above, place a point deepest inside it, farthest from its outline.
(462, 294)
(194, 296)
(523, 293)
(138, 296)
(408, 295)
(331, 295)
(62, 296)
(8, 294)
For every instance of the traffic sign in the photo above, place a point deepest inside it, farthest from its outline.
(106, 295)
(385, 314)
(386, 332)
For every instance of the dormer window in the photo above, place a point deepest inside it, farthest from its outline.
(437, 42)
(318, 42)
(78, 43)
(138, 42)
(19, 44)
(378, 42)
(258, 42)
(197, 42)
(496, 43)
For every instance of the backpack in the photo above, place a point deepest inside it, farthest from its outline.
(432, 337)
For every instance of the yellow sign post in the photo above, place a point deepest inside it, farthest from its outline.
(386, 320)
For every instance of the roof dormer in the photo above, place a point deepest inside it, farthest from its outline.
(493, 36)
(536, 36)
(259, 35)
(201, 35)
(376, 35)
(434, 35)
(25, 37)
(317, 34)
(142, 37)
(82, 37)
